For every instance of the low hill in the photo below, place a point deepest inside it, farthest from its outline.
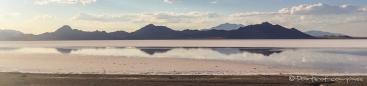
(323, 33)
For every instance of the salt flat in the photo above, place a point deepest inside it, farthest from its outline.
(78, 64)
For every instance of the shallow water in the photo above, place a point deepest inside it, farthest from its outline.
(342, 56)
(332, 58)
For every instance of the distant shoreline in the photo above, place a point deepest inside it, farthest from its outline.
(285, 43)
(200, 39)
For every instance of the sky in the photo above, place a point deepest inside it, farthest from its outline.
(40, 16)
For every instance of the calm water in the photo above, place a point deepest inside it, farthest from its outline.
(318, 43)
(328, 54)
(336, 58)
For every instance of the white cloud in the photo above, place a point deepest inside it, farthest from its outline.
(151, 17)
(64, 1)
(172, 1)
(355, 19)
(214, 2)
(9, 16)
(41, 2)
(316, 9)
(305, 17)
(303, 12)
(249, 14)
(43, 17)
(103, 18)
(320, 9)
(88, 1)
(364, 9)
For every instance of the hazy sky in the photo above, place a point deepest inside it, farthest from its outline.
(39, 16)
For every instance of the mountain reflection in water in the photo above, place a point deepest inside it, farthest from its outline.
(265, 52)
(329, 58)
(154, 50)
(65, 51)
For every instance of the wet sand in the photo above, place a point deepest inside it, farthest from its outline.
(78, 70)
(78, 64)
(28, 79)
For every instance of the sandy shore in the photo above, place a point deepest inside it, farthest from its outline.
(28, 79)
(76, 70)
(76, 64)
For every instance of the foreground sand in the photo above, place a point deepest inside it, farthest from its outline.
(77, 70)
(27, 79)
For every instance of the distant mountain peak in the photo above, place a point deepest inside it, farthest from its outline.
(64, 28)
(227, 26)
(266, 23)
(11, 31)
(150, 25)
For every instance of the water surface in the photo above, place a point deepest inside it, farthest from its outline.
(341, 55)
(334, 58)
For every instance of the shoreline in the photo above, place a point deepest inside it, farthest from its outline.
(348, 43)
(87, 70)
(34, 79)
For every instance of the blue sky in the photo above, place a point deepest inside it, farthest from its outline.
(39, 16)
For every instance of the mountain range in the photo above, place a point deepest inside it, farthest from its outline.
(264, 30)
(227, 26)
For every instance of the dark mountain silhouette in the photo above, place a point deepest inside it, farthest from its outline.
(259, 31)
(267, 31)
(152, 51)
(67, 33)
(227, 26)
(119, 34)
(323, 33)
(151, 32)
